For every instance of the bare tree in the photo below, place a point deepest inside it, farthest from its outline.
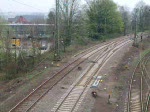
(69, 9)
(126, 16)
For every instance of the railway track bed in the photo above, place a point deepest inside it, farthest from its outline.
(138, 96)
(108, 51)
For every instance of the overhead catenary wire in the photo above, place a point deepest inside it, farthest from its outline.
(26, 5)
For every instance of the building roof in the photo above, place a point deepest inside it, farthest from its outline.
(26, 19)
(22, 20)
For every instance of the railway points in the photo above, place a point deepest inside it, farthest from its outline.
(74, 56)
(39, 92)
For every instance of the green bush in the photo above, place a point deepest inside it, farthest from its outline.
(11, 71)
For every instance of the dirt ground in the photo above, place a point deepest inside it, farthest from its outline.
(49, 101)
(11, 92)
(109, 85)
(117, 83)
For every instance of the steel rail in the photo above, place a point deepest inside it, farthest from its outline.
(147, 107)
(14, 108)
(79, 81)
(131, 83)
(100, 66)
(87, 50)
(105, 56)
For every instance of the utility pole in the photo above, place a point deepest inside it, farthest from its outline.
(57, 53)
(105, 26)
(7, 50)
(105, 30)
(135, 33)
(15, 45)
(135, 29)
(67, 23)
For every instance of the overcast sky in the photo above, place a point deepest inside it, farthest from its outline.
(45, 5)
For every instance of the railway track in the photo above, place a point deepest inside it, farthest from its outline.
(30, 101)
(146, 77)
(94, 47)
(71, 101)
(147, 107)
(136, 100)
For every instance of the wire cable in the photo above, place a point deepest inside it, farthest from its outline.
(26, 5)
